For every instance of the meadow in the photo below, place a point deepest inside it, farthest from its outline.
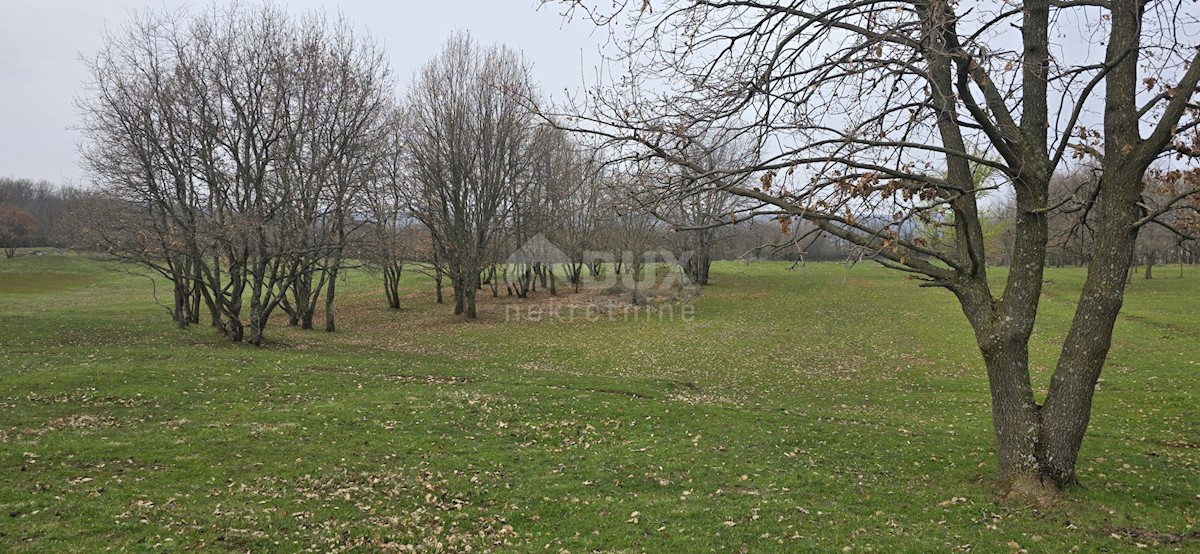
(816, 408)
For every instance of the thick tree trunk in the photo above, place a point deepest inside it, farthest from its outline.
(1068, 405)
(437, 281)
(697, 268)
(257, 320)
(235, 329)
(1069, 401)
(304, 296)
(524, 283)
(258, 326)
(391, 285)
(1004, 343)
(1016, 418)
(460, 297)
(1126, 156)
(470, 291)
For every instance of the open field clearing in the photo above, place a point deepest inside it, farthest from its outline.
(820, 408)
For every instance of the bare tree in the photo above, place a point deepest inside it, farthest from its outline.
(700, 214)
(392, 237)
(237, 135)
(469, 128)
(580, 209)
(875, 111)
(341, 86)
(1173, 235)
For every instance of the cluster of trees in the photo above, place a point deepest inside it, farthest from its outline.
(33, 214)
(246, 155)
(229, 149)
(1172, 237)
(509, 199)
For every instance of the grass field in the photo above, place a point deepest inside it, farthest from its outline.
(815, 409)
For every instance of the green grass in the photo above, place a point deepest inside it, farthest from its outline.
(813, 409)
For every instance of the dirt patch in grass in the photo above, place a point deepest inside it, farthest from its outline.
(1143, 535)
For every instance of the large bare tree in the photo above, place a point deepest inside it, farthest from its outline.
(469, 129)
(870, 114)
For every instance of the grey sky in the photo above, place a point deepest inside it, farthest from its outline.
(41, 42)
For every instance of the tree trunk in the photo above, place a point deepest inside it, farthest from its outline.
(235, 329)
(1016, 418)
(330, 295)
(258, 325)
(470, 290)
(391, 285)
(460, 300)
(257, 319)
(1068, 405)
(1004, 343)
(437, 280)
(697, 267)
(183, 297)
(575, 274)
(195, 303)
(214, 310)
(292, 313)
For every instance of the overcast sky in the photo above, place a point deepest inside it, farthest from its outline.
(41, 42)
